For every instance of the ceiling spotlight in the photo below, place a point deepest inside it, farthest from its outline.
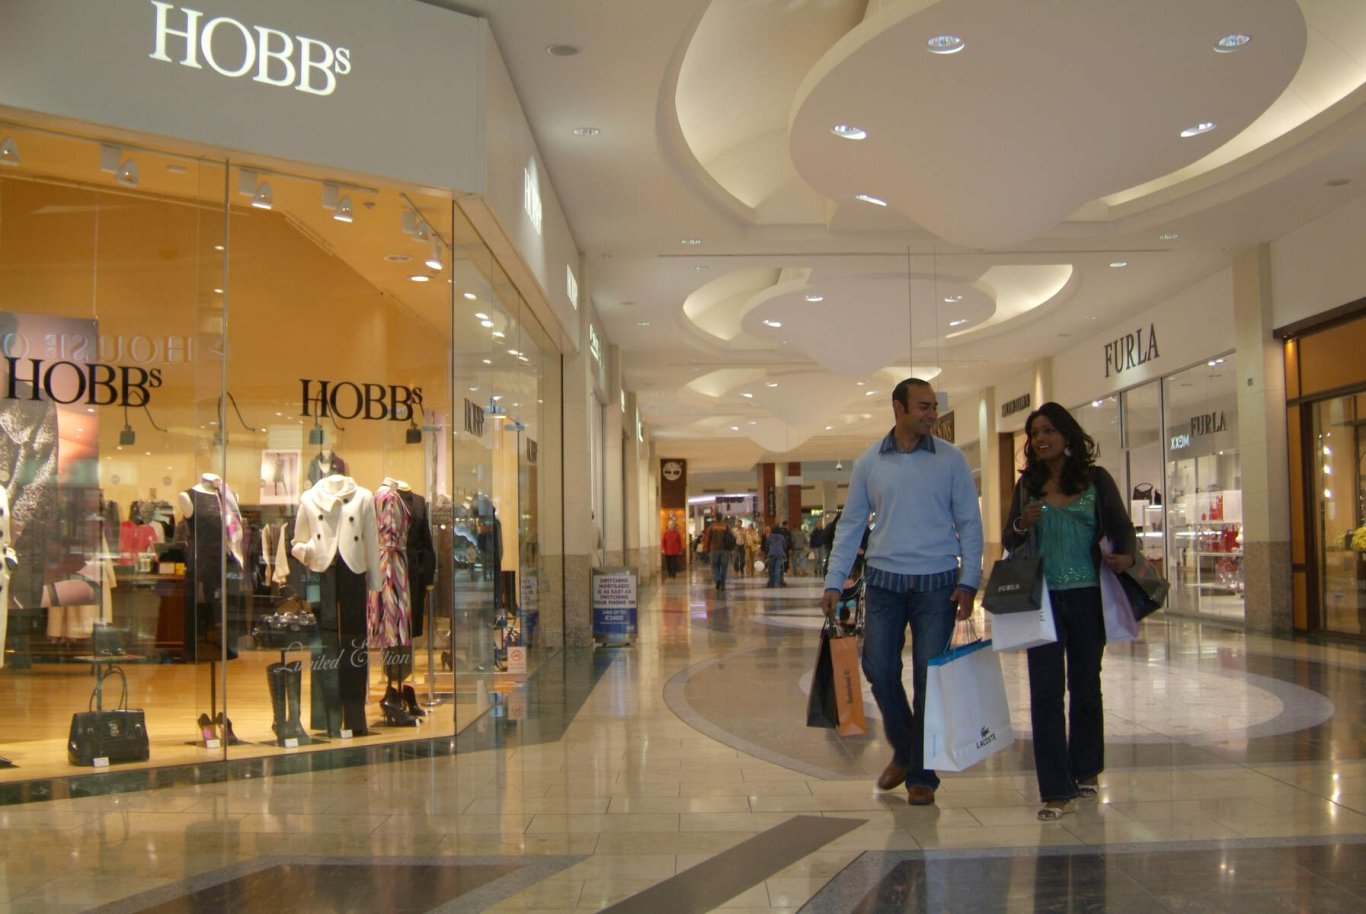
(480, 316)
(849, 131)
(700, 268)
(691, 241)
(420, 277)
(1168, 236)
(950, 299)
(264, 198)
(486, 323)
(470, 296)
(747, 395)
(839, 465)
(561, 50)
(813, 297)
(945, 44)
(770, 383)
(586, 131)
(771, 323)
(1202, 127)
(9, 152)
(642, 323)
(128, 173)
(1116, 264)
(344, 211)
(869, 198)
(1230, 43)
(958, 323)
(434, 258)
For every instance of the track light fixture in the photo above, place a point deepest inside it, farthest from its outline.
(9, 152)
(128, 174)
(434, 258)
(342, 208)
(112, 162)
(264, 198)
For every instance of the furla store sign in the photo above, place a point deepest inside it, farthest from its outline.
(234, 49)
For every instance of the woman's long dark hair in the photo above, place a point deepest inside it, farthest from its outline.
(1076, 475)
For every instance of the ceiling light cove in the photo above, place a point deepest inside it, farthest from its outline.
(849, 132)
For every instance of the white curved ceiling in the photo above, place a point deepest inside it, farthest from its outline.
(1016, 171)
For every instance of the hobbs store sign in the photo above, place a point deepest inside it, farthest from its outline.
(234, 49)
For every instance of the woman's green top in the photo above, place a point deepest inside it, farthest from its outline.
(1065, 539)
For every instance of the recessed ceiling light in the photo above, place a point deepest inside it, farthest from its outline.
(1168, 236)
(486, 323)
(488, 361)
(627, 304)
(1097, 404)
(814, 297)
(958, 323)
(420, 277)
(870, 393)
(945, 44)
(691, 241)
(950, 299)
(1338, 182)
(1230, 43)
(1116, 264)
(747, 395)
(849, 131)
(861, 383)
(829, 428)
(771, 323)
(735, 428)
(586, 131)
(497, 334)
(869, 198)
(770, 383)
(218, 247)
(1202, 127)
(642, 323)
(480, 315)
(397, 258)
(471, 296)
(561, 50)
(217, 291)
(700, 268)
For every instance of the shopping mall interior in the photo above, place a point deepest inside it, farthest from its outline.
(374, 371)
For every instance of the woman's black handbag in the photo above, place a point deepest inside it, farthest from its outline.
(117, 734)
(1015, 585)
(1145, 588)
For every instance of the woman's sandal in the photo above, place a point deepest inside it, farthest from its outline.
(1051, 813)
(1087, 791)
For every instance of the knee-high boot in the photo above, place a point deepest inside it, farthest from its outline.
(294, 678)
(275, 676)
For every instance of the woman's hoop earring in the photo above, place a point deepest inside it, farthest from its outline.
(1067, 452)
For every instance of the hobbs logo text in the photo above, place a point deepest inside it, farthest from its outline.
(233, 49)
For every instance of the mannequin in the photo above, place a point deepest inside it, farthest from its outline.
(325, 463)
(421, 554)
(389, 611)
(214, 529)
(336, 535)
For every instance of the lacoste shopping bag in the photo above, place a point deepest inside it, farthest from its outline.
(1020, 631)
(966, 715)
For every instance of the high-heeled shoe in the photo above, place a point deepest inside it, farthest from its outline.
(394, 714)
(225, 727)
(410, 702)
(206, 728)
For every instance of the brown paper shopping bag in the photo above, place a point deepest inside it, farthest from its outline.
(844, 659)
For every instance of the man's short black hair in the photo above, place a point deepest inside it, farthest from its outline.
(902, 392)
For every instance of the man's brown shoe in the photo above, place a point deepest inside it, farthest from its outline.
(920, 795)
(892, 777)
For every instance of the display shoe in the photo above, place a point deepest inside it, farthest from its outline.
(206, 730)
(277, 675)
(394, 713)
(225, 727)
(294, 678)
(410, 702)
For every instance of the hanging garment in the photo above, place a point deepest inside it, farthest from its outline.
(389, 610)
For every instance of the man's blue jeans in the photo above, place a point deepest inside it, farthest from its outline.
(775, 570)
(886, 615)
(720, 564)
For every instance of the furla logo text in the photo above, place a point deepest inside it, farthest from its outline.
(233, 49)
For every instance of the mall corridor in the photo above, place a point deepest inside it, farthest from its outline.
(676, 775)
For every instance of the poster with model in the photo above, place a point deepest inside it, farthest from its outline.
(49, 468)
(279, 477)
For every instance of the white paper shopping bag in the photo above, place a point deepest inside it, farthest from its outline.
(966, 715)
(1020, 631)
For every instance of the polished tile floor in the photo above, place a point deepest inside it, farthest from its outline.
(677, 775)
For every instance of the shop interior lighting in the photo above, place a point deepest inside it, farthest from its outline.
(112, 162)
(264, 198)
(9, 152)
(945, 44)
(341, 206)
(434, 258)
(813, 297)
(1202, 127)
(1230, 43)
(869, 198)
(849, 132)
(128, 173)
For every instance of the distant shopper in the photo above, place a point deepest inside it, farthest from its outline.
(671, 545)
(923, 567)
(1065, 505)
(775, 548)
(720, 541)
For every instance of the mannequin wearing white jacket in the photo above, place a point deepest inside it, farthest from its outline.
(336, 536)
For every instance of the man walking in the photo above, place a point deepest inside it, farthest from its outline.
(923, 568)
(720, 541)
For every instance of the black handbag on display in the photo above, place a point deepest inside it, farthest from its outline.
(1015, 585)
(1144, 491)
(117, 734)
(106, 640)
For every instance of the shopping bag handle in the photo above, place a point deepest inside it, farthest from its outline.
(972, 630)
